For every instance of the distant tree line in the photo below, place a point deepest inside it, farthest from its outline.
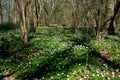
(99, 14)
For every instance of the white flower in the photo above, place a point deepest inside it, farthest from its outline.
(73, 73)
(81, 78)
(93, 74)
(90, 65)
(97, 74)
(103, 70)
(97, 71)
(23, 67)
(102, 75)
(119, 76)
(51, 77)
(113, 76)
(37, 64)
(67, 75)
(108, 78)
(68, 79)
(59, 68)
(85, 77)
(58, 74)
(42, 77)
(66, 58)
(86, 47)
(118, 55)
(107, 73)
(113, 73)
(117, 70)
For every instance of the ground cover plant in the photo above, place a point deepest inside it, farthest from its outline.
(57, 54)
(59, 40)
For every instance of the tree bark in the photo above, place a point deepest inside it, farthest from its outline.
(74, 15)
(9, 11)
(111, 29)
(14, 12)
(98, 26)
(32, 20)
(24, 34)
(109, 15)
(37, 10)
(1, 12)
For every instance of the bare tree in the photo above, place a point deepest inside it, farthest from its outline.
(21, 7)
(111, 29)
(14, 12)
(50, 8)
(9, 10)
(74, 14)
(1, 12)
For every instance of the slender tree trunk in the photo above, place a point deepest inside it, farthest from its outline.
(46, 13)
(14, 12)
(111, 29)
(24, 34)
(37, 12)
(74, 23)
(9, 11)
(1, 12)
(109, 14)
(98, 35)
(32, 21)
(74, 15)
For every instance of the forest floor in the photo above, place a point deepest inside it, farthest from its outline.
(57, 54)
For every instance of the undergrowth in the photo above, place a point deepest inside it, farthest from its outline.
(57, 54)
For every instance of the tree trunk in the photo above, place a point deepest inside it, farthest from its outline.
(24, 34)
(111, 30)
(14, 12)
(109, 15)
(1, 12)
(32, 21)
(98, 26)
(74, 23)
(37, 11)
(9, 11)
(74, 15)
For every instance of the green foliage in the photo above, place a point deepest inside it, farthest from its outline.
(57, 55)
(86, 30)
(4, 48)
(8, 26)
(109, 46)
(80, 51)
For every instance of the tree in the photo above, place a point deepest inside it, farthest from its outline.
(21, 10)
(98, 17)
(93, 11)
(9, 10)
(1, 12)
(50, 8)
(111, 29)
(14, 12)
(33, 15)
(74, 14)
